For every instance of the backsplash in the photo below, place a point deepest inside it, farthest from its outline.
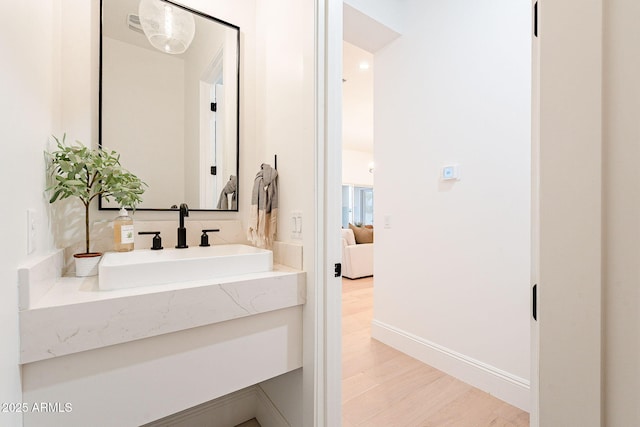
(36, 277)
(231, 231)
(289, 254)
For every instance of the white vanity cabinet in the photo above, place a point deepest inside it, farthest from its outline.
(131, 356)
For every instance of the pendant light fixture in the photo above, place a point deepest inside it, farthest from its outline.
(168, 27)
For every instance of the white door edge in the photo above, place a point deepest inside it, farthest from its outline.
(328, 387)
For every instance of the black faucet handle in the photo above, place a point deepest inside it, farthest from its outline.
(204, 239)
(157, 240)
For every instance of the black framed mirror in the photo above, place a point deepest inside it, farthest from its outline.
(173, 114)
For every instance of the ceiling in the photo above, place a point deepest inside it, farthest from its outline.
(363, 31)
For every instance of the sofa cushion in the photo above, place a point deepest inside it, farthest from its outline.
(348, 236)
(362, 235)
(357, 261)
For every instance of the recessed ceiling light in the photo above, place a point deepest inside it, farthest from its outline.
(364, 65)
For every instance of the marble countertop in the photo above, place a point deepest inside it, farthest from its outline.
(73, 315)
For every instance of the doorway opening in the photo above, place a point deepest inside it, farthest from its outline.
(466, 230)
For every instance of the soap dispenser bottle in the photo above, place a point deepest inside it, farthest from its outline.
(123, 232)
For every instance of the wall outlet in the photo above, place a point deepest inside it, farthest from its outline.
(31, 230)
(387, 221)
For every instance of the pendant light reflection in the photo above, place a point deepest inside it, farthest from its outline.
(167, 27)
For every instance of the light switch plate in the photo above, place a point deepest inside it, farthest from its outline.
(296, 225)
(450, 172)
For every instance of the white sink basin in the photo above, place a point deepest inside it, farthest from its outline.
(120, 270)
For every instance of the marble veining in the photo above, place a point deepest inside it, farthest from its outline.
(73, 316)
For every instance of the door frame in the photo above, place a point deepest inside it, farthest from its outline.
(328, 295)
(566, 206)
(567, 124)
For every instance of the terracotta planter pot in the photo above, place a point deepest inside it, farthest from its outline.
(87, 264)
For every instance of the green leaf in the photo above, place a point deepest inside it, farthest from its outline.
(85, 173)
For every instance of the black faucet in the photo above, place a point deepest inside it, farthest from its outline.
(182, 231)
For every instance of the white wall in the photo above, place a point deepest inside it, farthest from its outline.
(146, 125)
(355, 167)
(285, 127)
(283, 112)
(455, 87)
(29, 113)
(357, 97)
(621, 185)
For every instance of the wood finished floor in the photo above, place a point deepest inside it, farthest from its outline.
(384, 387)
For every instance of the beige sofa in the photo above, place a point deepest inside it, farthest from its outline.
(357, 259)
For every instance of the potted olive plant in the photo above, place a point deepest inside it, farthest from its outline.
(86, 173)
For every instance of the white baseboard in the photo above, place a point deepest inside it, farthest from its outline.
(228, 411)
(503, 385)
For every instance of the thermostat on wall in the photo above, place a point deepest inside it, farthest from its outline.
(450, 172)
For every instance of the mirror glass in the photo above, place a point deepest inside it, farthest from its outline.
(173, 117)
